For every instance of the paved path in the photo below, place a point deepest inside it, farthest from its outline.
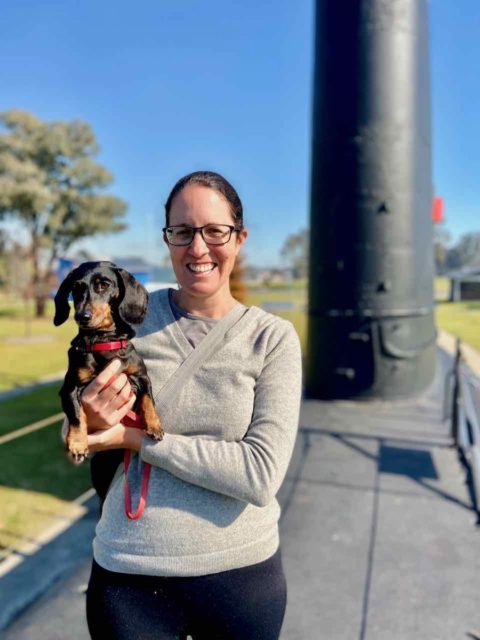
(378, 534)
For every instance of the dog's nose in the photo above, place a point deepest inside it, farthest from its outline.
(82, 317)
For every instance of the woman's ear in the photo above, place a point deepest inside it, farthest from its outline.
(241, 237)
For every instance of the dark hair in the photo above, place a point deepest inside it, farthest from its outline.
(214, 181)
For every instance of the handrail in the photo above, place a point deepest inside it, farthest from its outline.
(465, 417)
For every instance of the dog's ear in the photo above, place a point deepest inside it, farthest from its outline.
(133, 298)
(62, 308)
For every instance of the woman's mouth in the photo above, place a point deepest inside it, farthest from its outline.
(205, 267)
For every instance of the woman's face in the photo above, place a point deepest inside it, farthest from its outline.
(197, 206)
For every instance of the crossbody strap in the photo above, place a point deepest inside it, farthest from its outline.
(197, 357)
(171, 389)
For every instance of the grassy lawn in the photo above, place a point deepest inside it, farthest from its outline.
(30, 347)
(22, 410)
(462, 319)
(37, 482)
(28, 513)
(441, 289)
(295, 296)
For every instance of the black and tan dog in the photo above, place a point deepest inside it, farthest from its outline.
(106, 299)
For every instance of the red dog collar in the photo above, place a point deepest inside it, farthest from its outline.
(106, 346)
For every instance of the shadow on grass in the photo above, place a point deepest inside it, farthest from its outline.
(21, 410)
(37, 462)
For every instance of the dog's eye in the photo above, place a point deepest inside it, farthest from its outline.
(101, 285)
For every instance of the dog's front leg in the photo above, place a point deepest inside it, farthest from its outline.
(146, 408)
(76, 440)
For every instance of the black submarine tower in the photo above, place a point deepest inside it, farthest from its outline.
(371, 328)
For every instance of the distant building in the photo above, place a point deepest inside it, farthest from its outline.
(151, 276)
(138, 267)
(268, 275)
(464, 284)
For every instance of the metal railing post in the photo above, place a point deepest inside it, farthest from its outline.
(456, 391)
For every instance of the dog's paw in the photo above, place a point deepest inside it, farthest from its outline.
(156, 434)
(77, 457)
(77, 446)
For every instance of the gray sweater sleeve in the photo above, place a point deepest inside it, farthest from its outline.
(253, 468)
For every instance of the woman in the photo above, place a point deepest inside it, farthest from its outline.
(204, 558)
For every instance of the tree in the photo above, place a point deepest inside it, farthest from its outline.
(3, 258)
(15, 271)
(468, 248)
(295, 252)
(441, 240)
(50, 181)
(465, 253)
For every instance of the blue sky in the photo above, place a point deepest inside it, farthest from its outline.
(171, 86)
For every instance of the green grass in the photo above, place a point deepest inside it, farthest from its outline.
(26, 514)
(297, 296)
(31, 348)
(37, 462)
(293, 285)
(462, 319)
(441, 288)
(22, 410)
(37, 484)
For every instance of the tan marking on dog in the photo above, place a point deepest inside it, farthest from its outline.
(85, 374)
(76, 441)
(131, 369)
(101, 316)
(150, 417)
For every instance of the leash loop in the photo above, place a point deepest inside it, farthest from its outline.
(133, 420)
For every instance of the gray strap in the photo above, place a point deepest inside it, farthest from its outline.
(197, 357)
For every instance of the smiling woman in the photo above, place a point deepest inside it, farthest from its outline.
(203, 246)
(207, 544)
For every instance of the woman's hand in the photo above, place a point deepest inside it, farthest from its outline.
(117, 437)
(106, 401)
(107, 398)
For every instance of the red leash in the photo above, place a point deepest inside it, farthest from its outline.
(132, 420)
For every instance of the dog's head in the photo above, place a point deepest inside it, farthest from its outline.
(101, 291)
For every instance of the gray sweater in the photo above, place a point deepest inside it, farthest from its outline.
(229, 437)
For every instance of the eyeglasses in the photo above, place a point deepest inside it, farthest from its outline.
(216, 234)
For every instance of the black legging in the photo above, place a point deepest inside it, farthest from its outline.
(241, 604)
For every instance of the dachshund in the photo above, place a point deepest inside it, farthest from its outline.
(106, 299)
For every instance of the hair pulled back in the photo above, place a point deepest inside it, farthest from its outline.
(213, 181)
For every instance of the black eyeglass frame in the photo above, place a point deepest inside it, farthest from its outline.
(194, 230)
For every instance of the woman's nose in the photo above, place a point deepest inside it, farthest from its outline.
(198, 245)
